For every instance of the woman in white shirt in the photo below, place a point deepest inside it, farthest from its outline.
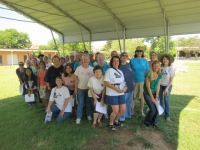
(96, 93)
(63, 108)
(115, 88)
(168, 74)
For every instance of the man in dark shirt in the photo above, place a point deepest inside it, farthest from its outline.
(54, 71)
(20, 74)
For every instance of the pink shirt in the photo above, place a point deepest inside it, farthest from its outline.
(68, 82)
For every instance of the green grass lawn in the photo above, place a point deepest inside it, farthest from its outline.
(21, 128)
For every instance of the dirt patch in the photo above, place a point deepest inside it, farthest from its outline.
(127, 139)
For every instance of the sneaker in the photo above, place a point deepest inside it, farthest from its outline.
(143, 114)
(106, 116)
(78, 121)
(168, 119)
(89, 118)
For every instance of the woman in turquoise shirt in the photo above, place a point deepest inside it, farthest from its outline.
(151, 93)
(139, 66)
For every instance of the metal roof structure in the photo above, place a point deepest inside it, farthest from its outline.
(94, 20)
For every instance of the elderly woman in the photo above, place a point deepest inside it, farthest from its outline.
(20, 74)
(30, 81)
(63, 108)
(153, 56)
(128, 76)
(151, 92)
(115, 88)
(139, 66)
(96, 93)
(166, 83)
(101, 62)
(54, 71)
(83, 74)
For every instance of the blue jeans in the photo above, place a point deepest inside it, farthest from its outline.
(152, 116)
(56, 111)
(129, 100)
(164, 100)
(83, 100)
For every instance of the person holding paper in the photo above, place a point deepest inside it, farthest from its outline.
(151, 93)
(68, 79)
(42, 86)
(168, 73)
(114, 94)
(128, 76)
(30, 84)
(63, 108)
(96, 93)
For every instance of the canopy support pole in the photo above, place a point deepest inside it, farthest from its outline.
(124, 46)
(63, 40)
(82, 37)
(54, 40)
(118, 38)
(90, 42)
(167, 47)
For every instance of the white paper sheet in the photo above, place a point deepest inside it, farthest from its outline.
(159, 108)
(20, 89)
(71, 100)
(101, 109)
(122, 85)
(29, 99)
(48, 117)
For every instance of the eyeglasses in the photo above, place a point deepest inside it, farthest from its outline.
(139, 50)
(125, 55)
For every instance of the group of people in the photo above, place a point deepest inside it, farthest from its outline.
(89, 79)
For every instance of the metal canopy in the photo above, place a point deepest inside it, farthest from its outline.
(96, 19)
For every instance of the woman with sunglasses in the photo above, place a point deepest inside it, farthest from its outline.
(20, 74)
(128, 76)
(139, 66)
(63, 108)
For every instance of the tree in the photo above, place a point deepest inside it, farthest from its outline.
(11, 38)
(158, 45)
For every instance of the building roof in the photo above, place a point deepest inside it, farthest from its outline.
(100, 19)
(23, 50)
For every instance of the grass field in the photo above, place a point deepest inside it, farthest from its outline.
(22, 128)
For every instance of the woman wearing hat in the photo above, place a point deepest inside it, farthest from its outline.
(139, 66)
(168, 74)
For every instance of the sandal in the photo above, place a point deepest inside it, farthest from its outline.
(100, 124)
(93, 125)
(111, 127)
(118, 124)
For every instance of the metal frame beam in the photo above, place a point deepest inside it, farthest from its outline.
(67, 15)
(30, 17)
(112, 14)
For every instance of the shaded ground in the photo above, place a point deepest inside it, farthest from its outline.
(125, 139)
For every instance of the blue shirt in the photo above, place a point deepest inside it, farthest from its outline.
(139, 67)
(128, 76)
(105, 67)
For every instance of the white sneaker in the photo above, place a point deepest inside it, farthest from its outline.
(78, 121)
(143, 114)
(89, 118)
(106, 116)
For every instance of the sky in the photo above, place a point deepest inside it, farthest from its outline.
(37, 33)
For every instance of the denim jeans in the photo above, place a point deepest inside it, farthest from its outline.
(56, 111)
(152, 116)
(129, 100)
(83, 100)
(164, 100)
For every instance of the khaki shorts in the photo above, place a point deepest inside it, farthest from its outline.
(44, 94)
(138, 90)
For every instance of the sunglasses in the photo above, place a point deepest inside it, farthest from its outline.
(139, 50)
(125, 55)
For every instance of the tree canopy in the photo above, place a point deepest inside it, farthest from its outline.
(11, 38)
